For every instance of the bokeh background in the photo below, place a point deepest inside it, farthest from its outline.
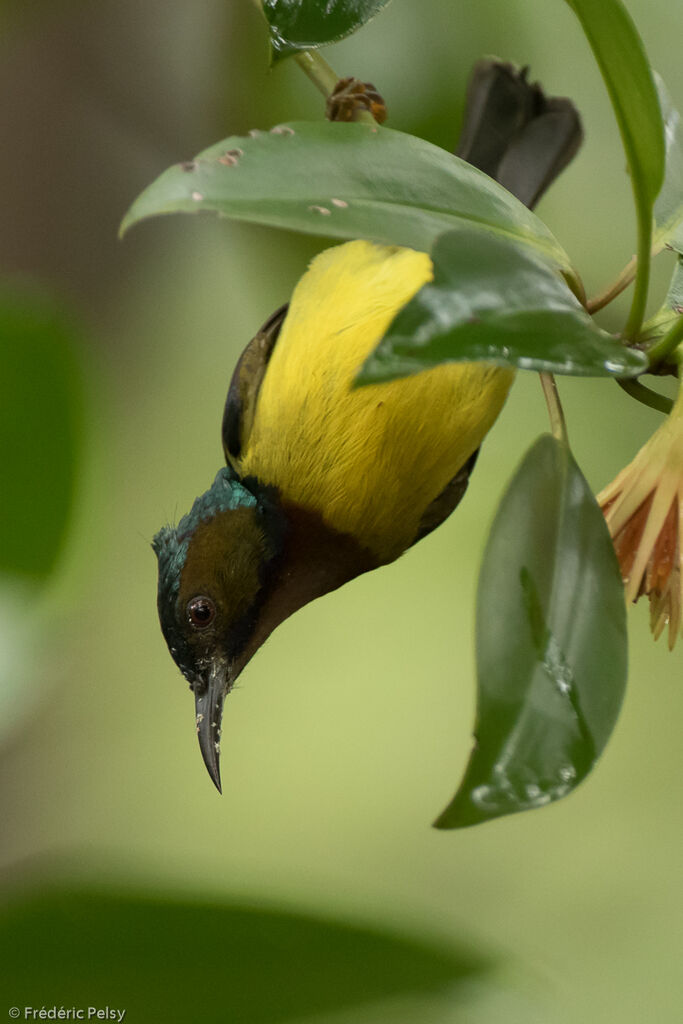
(351, 727)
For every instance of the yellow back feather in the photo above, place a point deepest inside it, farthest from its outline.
(372, 459)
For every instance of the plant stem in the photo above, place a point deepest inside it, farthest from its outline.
(637, 313)
(574, 281)
(318, 70)
(558, 423)
(616, 288)
(646, 396)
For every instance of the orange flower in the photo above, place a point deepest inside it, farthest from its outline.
(642, 509)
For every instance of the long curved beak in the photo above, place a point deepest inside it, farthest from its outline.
(209, 700)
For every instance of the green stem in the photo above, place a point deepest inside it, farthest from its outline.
(616, 288)
(645, 395)
(637, 313)
(574, 281)
(318, 70)
(666, 345)
(558, 423)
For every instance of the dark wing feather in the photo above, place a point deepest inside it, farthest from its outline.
(240, 405)
(442, 506)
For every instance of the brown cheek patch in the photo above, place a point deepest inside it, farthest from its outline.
(223, 561)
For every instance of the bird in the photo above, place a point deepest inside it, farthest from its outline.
(324, 481)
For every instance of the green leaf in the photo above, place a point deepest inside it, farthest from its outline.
(346, 181)
(40, 409)
(307, 24)
(623, 62)
(669, 206)
(494, 300)
(172, 961)
(551, 643)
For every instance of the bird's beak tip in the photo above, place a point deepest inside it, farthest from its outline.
(216, 778)
(209, 711)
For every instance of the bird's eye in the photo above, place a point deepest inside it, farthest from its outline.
(201, 612)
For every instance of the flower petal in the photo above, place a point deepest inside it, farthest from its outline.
(661, 504)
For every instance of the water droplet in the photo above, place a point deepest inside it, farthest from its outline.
(485, 797)
(567, 772)
(341, 203)
(563, 682)
(320, 209)
(613, 366)
(282, 129)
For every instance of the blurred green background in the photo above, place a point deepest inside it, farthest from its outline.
(351, 727)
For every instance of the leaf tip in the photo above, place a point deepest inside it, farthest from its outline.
(443, 823)
(456, 815)
(125, 225)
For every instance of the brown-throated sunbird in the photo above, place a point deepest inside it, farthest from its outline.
(324, 482)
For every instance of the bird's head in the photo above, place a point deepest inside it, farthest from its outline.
(238, 564)
(213, 568)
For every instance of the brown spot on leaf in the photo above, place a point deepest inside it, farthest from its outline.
(231, 157)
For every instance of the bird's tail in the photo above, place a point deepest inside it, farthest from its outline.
(514, 132)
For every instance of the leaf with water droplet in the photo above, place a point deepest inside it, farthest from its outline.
(494, 300)
(297, 25)
(551, 643)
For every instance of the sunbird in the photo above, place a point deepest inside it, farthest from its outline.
(325, 481)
